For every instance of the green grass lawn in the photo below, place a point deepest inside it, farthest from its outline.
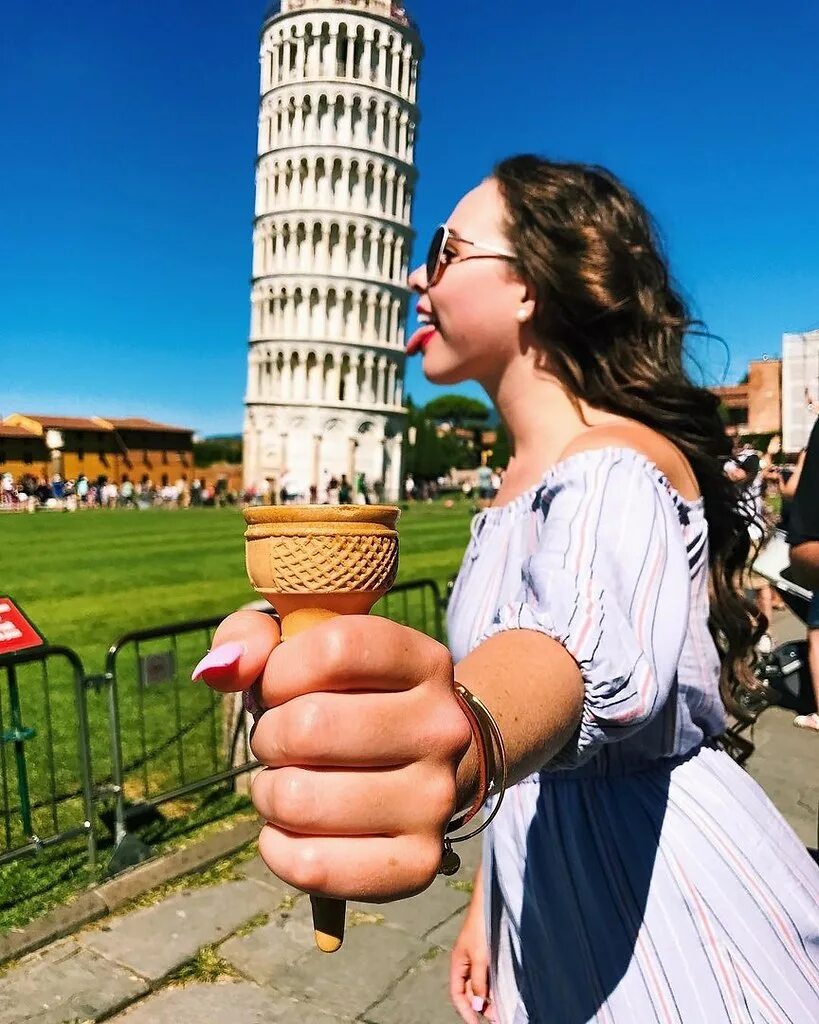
(85, 580)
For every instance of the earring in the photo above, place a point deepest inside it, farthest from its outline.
(523, 316)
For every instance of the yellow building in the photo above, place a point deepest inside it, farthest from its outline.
(42, 445)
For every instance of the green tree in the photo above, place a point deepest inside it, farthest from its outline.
(458, 410)
(433, 452)
(502, 448)
(461, 414)
(217, 449)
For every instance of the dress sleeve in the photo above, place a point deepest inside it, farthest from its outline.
(608, 579)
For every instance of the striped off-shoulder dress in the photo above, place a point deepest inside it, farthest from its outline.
(641, 876)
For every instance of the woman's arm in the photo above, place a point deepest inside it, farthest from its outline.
(805, 562)
(533, 688)
(788, 490)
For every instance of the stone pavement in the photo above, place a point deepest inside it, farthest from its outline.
(250, 939)
(786, 760)
(254, 936)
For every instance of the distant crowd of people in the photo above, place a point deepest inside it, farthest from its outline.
(29, 493)
(289, 490)
(480, 485)
(768, 486)
(767, 489)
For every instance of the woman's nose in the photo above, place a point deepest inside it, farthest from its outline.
(418, 279)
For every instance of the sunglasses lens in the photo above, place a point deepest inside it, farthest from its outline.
(434, 254)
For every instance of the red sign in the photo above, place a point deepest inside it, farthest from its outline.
(16, 632)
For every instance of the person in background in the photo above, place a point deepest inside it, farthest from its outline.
(324, 483)
(126, 493)
(362, 491)
(70, 496)
(788, 482)
(58, 489)
(43, 492)
(771, 500)
(286, 487)
(485, 491)
(345, 492)
(183, 492)
(803, 537)
(7, 490)
(744, 468)
(220, 492)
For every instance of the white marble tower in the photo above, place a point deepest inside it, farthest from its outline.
(331, 243)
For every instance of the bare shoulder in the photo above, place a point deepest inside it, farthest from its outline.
(666, 456)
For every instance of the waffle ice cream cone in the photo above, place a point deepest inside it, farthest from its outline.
(313, 562)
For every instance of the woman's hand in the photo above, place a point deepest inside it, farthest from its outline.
(362, 738)
(469, 966)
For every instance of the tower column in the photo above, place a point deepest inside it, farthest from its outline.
(396, 70)
(367, 388)
(406, 61)
(369, 323)
(316, 461)
(313, 69)
(390, 396)
(382, 66)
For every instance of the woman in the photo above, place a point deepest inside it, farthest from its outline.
(633, 873)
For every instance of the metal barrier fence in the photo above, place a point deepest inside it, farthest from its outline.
(45, 760)
(168, 738)
(165, 732)
(417, 604)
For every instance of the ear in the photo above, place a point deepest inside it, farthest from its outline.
(526, 305)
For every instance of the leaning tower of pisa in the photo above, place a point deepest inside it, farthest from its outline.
(331, 243)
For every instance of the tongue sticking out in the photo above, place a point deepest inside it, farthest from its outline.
(420, 339)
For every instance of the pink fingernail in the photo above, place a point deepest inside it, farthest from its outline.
(478, 1004)
(220, 658)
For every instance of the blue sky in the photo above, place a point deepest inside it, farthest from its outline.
(126, 196)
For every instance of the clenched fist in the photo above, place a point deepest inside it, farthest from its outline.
(361, 735)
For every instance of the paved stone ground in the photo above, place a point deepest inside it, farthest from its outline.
(254, 938)
(786, 760)
(257, 938)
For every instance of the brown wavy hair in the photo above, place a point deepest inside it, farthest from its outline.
(613, 329)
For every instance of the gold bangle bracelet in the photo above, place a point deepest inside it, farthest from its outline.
(450, 861)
